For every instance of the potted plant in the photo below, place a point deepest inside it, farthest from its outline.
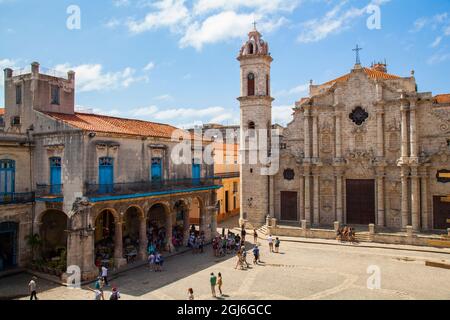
(34, 242)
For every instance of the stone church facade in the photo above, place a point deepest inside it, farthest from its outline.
(365, 148)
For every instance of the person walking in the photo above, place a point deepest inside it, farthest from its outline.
(244, 257)
(115, 295)
(270, 241)
(99, 287)
(255, 236)
(105, 274)
(277, 245)
(219, 283)
(243, 233)
(255, 254)
(190, 294)
(213, 281)
(32, 288)
(151, 261)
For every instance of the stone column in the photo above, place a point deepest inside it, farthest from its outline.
(415, 200)
(119, 260)
(339, 197)
(380, 133)
(213, 212)
(271, 198)
(404, 209)
(315, 136)
(380, 199)
(169, 225)
(306, 134)
(316, 197)
(404, 133)
(308, 195)
(302, 197)
(143, 240)
(424, 199)
(413, 131)
(186, 226)
(338, 135)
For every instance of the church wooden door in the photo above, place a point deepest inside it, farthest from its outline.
(289, 206)
(360, 201)
(441, 212)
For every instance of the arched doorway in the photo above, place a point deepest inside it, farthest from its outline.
(105, 229)
(195, 214)
(156, 227)
(8, 245)
(131, 233)
(53, 232)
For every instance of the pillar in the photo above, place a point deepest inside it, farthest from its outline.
(424, 199)
(380, 200)
(143, 240)
(415, 200)
(404, 204)
(271, 197)
(413, 130)
(339, 197)
(404, 133)
(307, 137)
(169, 225)
(213, 212)
(302, 197)
(308, 195)
(380, 134)
(338, 135)
(119, 260)
(315, 136)
(316, 198)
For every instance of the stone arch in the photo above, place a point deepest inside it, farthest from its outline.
(107, 222)
(159, 222)
(53, 226)
(251, 84)
(9, 244)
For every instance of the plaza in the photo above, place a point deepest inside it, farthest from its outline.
(321, 270)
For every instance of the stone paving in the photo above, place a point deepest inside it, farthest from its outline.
(299, 271)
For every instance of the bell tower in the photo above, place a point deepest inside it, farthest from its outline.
(256, 122)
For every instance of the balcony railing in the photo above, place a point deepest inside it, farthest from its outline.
(149, 187)
(226, 175)
(49, 191)
(12, 198)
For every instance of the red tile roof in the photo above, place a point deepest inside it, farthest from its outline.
(2, 111)
(107, 124)
(374, 74)
(442, 98)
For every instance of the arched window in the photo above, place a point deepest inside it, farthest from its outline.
(7, 176)
(250, 48)
(251, 125)
(251, 84)
(267, 85)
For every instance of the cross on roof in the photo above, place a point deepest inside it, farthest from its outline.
(254, 25)
(357, 49)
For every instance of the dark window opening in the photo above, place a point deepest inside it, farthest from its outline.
(267, 86)
(18, 94)
(251, 84)
(251, 125)
(250, 48)
(55, 94)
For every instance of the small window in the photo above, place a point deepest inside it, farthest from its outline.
(251, 125)
(55, 94)
(250, 48)
(235, 187)
(15, 121)
(251, 84)
(267, 85)
(19, 94)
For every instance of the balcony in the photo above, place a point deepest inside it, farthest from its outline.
(151, 188)
(227, 175)
(16, 198)
(49, 191)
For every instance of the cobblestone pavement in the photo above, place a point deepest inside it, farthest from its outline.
(299, 271)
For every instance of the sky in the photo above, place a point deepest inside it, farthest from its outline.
(174, 61)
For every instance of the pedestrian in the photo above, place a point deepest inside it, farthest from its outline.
(243, 233)
(151, 261)
(158, 262)
(99, 287)
(219, 283)
(239, 260)
(115, 295)
(190, 294)
(277, 245)
(255, 254)
(213, 281)
(244, 257)
(32, 288)
(255, 236)
(105, 274)
(270, 241)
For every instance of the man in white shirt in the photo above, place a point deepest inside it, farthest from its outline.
(270, 240)
(105, 274)
(32, 288)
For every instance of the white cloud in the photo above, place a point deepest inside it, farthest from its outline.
(144, 112)
(438, 58)
(436, 42)
(298, 90)
(164, 97)
(149, 66)
(168, 13)
(282, 114)
(205, 6)
(219, 27)
(121, 3)
(112, 23)
(91, 77)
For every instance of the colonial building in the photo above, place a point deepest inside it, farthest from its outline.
(95, 188)
(364, 148)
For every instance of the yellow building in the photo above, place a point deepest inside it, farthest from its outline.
(226, 166)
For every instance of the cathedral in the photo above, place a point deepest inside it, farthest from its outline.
(365, 148)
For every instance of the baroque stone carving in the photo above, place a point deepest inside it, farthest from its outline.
(444, 117)
(360, 163)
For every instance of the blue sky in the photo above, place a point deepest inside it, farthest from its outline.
(174, 61)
